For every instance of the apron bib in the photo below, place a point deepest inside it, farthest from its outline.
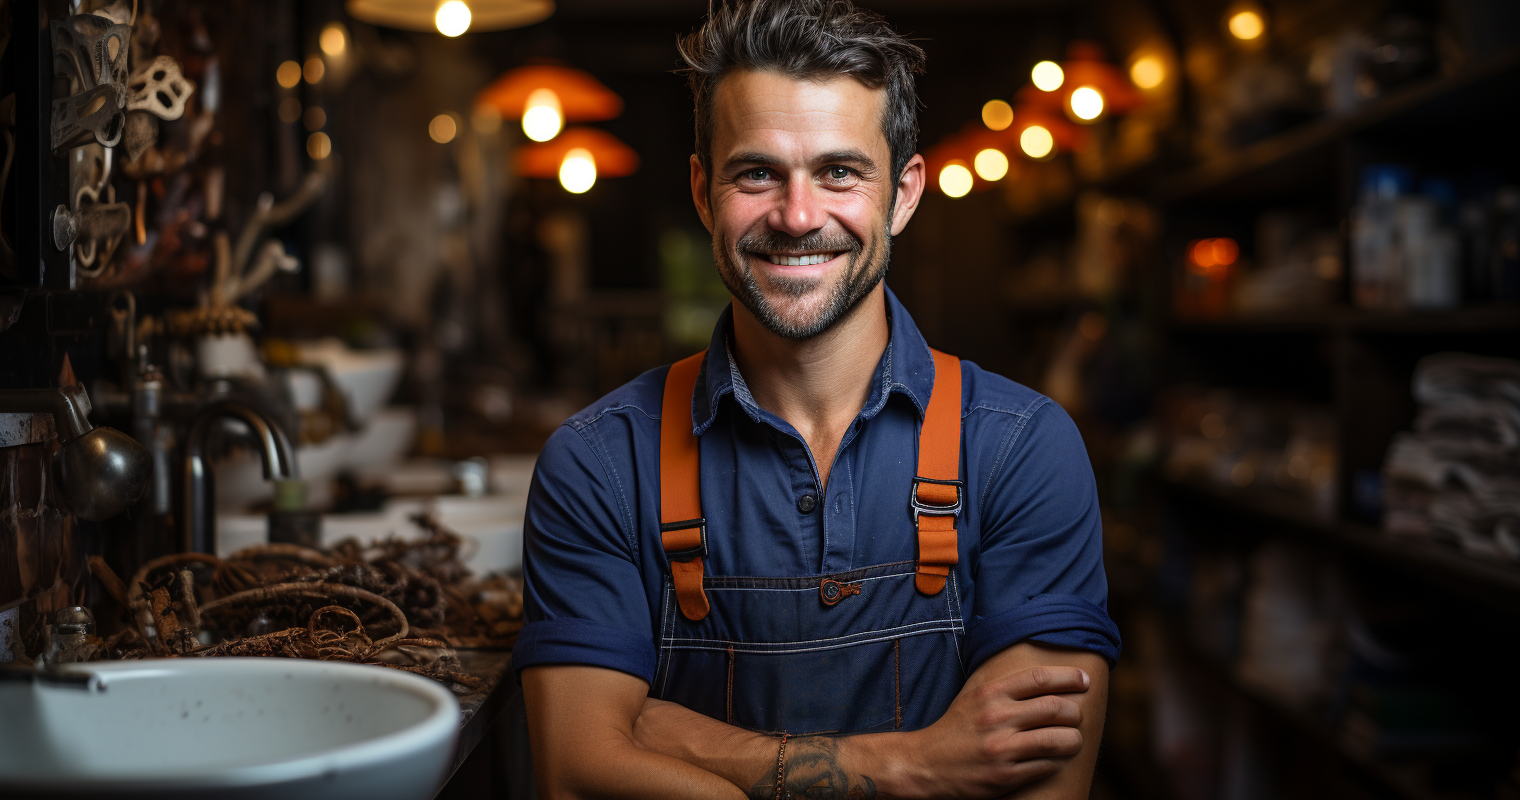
(872, 649)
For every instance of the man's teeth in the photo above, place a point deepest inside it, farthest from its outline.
(800, 261)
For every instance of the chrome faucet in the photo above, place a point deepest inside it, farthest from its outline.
(199, 490)
(101, 470)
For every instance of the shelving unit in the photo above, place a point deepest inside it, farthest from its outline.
(1492, 583)
(1355, 363)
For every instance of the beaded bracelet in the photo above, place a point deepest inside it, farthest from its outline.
(781, 767)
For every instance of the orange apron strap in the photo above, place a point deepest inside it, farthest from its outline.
(683, 530)
(937, 490)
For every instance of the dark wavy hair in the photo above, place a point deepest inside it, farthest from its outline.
(805, 39)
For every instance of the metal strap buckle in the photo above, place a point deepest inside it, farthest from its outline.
(700, 551)
(919, 507)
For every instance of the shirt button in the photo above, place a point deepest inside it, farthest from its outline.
(806, 504)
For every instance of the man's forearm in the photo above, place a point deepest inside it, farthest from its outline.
(858, 766)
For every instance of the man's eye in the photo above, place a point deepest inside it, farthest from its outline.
(758, 175)
(839, 173)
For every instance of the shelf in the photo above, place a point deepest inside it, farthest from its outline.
(1313, 729)
(1495, 584)
(1339, 319)
(1441, 102)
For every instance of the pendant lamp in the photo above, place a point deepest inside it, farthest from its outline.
(582, 98)
(476, 15)
(613, 159)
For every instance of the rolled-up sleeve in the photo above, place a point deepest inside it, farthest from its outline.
(584, 599)
(1039, 574)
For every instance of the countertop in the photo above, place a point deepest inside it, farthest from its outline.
(480, 709)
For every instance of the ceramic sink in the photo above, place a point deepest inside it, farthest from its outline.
(240, 728)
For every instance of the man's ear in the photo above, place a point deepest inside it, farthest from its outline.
(699, 196)
(910, 189)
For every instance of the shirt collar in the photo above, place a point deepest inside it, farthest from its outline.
(906, 367)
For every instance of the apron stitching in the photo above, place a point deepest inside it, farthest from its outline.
(953, 600)
(812, 588)
(897, 681)
(949, 622)
(669, 630)
(730, 719)
(955, 629)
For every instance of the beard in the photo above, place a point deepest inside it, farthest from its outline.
(786, 311)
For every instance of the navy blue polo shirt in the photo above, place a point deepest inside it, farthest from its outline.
(1031, 562)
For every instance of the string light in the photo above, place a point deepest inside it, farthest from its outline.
(288, 74)
(542, 118)
(954, 179)
(1212, 256)
(314, 69)
(1036, 141)
(577, 173)
(1086, 103)
(443, 128)
(1047, 76)
(318, 146)
(997, 115)
(991, 164)
(315, 118)
(1147, 72)
(290, 109)
(1246, 25)
(453, 18)
(334, 39)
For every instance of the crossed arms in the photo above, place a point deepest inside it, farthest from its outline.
(1026, 725)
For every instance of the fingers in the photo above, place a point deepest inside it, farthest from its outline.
(1019, 747)
(1037, 681)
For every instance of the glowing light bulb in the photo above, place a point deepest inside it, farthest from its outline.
(288, 75)
(453, 18)
(1086, 103)
(318, 146)
(1036, 141)
(443, 128)
(955, 179)
(1047, 76)
(1246, 25)
(542, 118)
(577, 172)
(334, 39)
(991, 164)
(1147, 72)
(997, 115)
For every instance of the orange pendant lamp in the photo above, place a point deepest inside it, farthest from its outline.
(577, 158)
(580, 96)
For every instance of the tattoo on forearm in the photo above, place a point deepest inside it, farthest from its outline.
(813, 773)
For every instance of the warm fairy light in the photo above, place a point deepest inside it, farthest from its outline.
(955, 179)
(542, 117)
(443, 128)
(288, 75)
(997, 115)
(1047, 76)
(453, 18)
(577, 172)
(314, 69)
(1147, 72)
(315, 118)
(1212, 256)
(1246, 25)
(991, 164)
(1086, 103)
(334, 39)
(1036, 141)
(290, 109)
(318, 146)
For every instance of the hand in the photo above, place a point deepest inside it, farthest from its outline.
(1000, 734)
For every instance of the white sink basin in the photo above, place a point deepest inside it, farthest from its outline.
(231, 728)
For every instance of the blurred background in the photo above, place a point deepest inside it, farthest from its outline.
(1267, 254)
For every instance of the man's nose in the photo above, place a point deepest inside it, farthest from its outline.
(801, 210)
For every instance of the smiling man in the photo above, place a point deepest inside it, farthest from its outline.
(818, 559)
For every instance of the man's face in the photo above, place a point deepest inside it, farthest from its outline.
(800, 200)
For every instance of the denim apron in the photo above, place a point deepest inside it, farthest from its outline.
(872, 649)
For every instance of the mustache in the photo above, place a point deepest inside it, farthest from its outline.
(777, 242)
